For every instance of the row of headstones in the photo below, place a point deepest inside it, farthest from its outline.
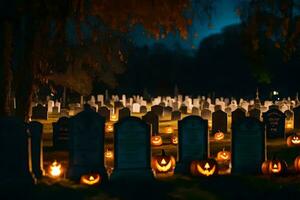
(131, 146)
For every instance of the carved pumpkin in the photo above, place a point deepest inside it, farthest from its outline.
(293, 140)
(174, 139)
(156, 140)
(113, 118)
(297, 164)
(169, 130)
(219, 135)
(109, 128)
(55, 169)
(163, 163)
(274, 167)
(109, 154)
(207, 167)
(90, 179)
(223, 155)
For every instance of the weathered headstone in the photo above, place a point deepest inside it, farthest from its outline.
(255, 113)
(183, 109)
(176, 115)
(36, 133)
(248, 146)
(158, 110)
(206, 114)
(124, 112)
(195, 111)
(14, 159)
(274, 120)
(104, 112)
(289, 114)
(219, 121)
(132, 151)
(39, 112)
(152, 119)
(86, 145)
(297, 117)
(143, 109)
(61, 133)
(237, 115)
(193, 142)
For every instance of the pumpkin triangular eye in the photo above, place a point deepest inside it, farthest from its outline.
(206, 166)
(91, 178)
(163, 161)
(275, 166)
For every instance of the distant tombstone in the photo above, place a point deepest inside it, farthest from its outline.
(183, 109)
(143, 109)
(132, 151)
(206, 114)
(255, 113)
(195, 111)
(104, 112)
(273, 107)
(205, 105)
(289, 114)
(39, 112)
(193, 142)
(297, 117)
(136, 108)
(152, 119)
(274, 120)
(168, 110)
(61, 133)
(217, 107)
(237, 115)
(158, 110)
(86, 141)
(228, 110)
(176, 115)
(36, 133)
(175, 105)
(118, 105)
(14, 167)
(123, 113)
(162, 104)
(219, 121)
(248, 146)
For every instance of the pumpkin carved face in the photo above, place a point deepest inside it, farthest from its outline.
(223, 155)
(90, 179)
(174, 139)
(156, 140)
(109, 154)
(55, 169)
(206, 167)
(274, 167)
(293, 140)
(163, 163)
(297, 164)
(109, 128)
(113, 118)
(219, 136)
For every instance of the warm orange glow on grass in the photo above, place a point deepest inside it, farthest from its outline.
(55, 169)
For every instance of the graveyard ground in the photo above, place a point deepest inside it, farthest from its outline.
(224, 186)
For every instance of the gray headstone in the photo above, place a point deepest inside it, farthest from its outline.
(61, 133)
(86, 145)
(132, 150)
(176, 115)
(124, 112)
(143, 109)
(237, 115)
(195, 111)
(219, 121)
(152, 119)
(158, 110)
(193, 142)
(274, 120)
(255, 113)
(39, 112)
(248, 146)
(206, 114)
(14, 167)
(297, 117)
(104, 112)
(183, 109)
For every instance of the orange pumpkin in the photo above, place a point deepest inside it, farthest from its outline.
(293, 140)
(109, 128)
(223, 155)
(219, 135)
(91, 179)
(163, 163)
(174, 139)
(113, 118)
(297, 164)
(109, 154)
(207, 167)
(274, 167)
(156, 140)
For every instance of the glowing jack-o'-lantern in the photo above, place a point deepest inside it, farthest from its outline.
(163, 163)
(109, 154)
(174, 139)
(109, 128)
(207, 167)
(223, 155)
(274, 167)
(156, 140)
(113, 118)
(219, 135)
(90, 179)
(169, 130)
(55, 169)
(293, 140)
(297, 164)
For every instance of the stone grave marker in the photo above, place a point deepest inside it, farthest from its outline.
(61, 133)
(274, 120)
(104, 112)
(143, 109)
(124, 112)
(158, 110)
(255, 113)
(152, 119)
(297, 117)
(176, 115)
(219, 121)
(39, 112)
(237, 115)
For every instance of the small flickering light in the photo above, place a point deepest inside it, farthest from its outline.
(90, 179)
(174, 139)
(113, 118)
(275, 92)
(55, 169)
(109, 154)
(169, 130)
(156, 140)
(109, 128)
